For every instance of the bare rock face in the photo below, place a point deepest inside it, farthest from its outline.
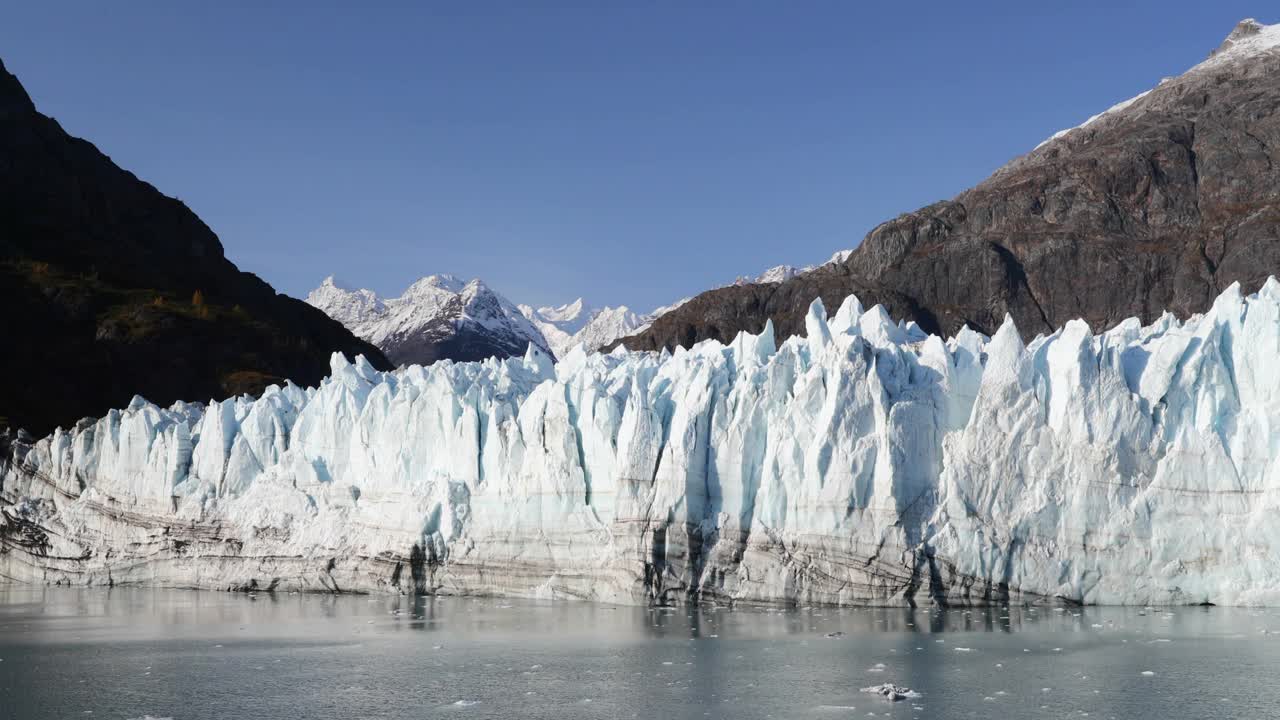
(111, 289)
(1159, 203)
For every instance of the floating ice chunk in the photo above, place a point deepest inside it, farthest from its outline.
(891, 692)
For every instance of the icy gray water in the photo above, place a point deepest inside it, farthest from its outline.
(193, 655)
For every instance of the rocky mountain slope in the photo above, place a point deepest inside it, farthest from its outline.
(111, 289)
(1158, 203)
(439, 317)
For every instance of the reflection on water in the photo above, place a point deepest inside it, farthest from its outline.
(128, 653)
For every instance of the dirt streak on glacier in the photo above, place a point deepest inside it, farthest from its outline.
(863, 464)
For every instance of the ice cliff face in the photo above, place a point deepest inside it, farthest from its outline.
(864, 463)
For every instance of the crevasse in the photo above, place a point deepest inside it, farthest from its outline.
(863, 463)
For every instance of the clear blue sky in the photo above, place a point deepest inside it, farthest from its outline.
(628, 155)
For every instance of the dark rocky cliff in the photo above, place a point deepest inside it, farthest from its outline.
(1155, 206)
(108, 288)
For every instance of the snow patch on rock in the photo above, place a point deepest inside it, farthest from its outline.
(1249, 39)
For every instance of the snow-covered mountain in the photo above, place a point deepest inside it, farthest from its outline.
(441, 317)
(782, 273)
(568, 326)
(863, 463)
(438, 317)
(1249, 38)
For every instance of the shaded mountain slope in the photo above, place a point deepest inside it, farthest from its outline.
(108, 288)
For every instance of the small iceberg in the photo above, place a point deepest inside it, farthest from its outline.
(892, 692)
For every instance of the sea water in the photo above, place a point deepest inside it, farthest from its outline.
(138, 653)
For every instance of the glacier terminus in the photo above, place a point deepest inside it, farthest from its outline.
(865, 463)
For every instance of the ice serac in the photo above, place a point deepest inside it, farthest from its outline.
(864, 463)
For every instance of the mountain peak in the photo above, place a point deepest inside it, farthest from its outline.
(779, 273)
(71, 218)
(1247, 37)
(434, 283)
(332, 281)
(437, 317)
(783, 273)
(1179, 180)
(13, 97)
(839, 256)
(1247, 27)
(567, 313)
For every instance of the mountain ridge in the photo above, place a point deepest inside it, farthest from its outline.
(437, 317)
(1158, 203)
(114, 289)
(430, 321)
(417, 328)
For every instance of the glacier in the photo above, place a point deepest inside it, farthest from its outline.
(865, 463)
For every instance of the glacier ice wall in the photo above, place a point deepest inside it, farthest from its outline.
(863, 463)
